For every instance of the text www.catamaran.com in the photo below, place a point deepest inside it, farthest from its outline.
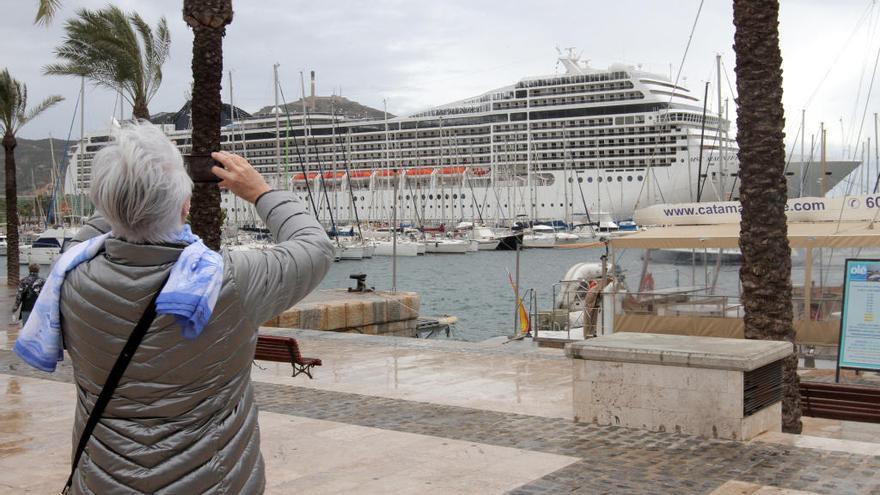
(722, 209)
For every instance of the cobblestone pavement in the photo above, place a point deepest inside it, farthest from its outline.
(615, 460)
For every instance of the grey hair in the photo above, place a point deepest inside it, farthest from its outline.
(140, 185)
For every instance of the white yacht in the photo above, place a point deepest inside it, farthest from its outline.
(440, 245)
(46, 247)
(482, 238)
(545, 236)
(405, 247)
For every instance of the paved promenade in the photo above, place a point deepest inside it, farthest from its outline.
(394, 415)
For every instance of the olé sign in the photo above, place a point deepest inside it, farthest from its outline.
(860, 316)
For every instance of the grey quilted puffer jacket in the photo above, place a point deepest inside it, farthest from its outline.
(183, 419)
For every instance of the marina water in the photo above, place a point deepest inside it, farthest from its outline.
(475, 287)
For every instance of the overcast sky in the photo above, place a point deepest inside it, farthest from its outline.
(422, 53)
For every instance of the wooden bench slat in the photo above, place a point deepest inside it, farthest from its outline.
(839, 401)
(284, 350)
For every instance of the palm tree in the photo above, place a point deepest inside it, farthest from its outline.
(116, 50)
(766, 268)
(13, 115)
(46, 11)
(208, 20)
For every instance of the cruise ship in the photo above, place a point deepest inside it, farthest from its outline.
(586, 145)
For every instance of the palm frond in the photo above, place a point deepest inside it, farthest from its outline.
(13, 104)
(114, 49)
(46, 10)
(29, 115)
(8, 97)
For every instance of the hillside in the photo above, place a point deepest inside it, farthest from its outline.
(33, 164)
(327, 104)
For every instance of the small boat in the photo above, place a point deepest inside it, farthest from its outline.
(46, 248)
(369, 249)
(446, 246)
(351, 251)
(404, 248)
(509, 240)
(545, 236)
(482, 238)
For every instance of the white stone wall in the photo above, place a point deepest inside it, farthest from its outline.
(693, 401)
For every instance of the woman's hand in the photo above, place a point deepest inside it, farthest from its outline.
(239, 176)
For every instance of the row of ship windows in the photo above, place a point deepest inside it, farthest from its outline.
(608, 163)
(569, 100)
(379, 135)
(327, 146)
(585, 88)
(377, 140)
(563, 80)
(430, 207)
(471, 148)
(589, 180)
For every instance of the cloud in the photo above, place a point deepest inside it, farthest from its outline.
(417, 53)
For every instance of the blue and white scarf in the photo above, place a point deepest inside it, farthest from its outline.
(189, 295)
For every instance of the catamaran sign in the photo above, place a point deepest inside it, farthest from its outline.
(853, 208)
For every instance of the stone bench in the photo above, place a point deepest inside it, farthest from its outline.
(704, 386)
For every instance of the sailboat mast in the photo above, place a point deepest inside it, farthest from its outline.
(82, 138)
(721, 167)
(337, 181)
(302, 86)
(702, 136)
(277, 127)
(232, 140)
(565, 175)
(876, 153)
(824, 163)
(803, 139)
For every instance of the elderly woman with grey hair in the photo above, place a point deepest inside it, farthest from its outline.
(183, 417)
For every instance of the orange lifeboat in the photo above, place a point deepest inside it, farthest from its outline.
(419, 172)
(333, 175)
(386, 173)
(301, 177)
(479, 172)
(452, 170)
(360, 174)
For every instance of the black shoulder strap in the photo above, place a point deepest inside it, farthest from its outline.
(134, 340)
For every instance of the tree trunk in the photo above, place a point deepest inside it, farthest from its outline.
(766, 268)
(140, 110)
(208, 20)
(12, 268)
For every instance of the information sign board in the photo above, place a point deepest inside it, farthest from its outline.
(860, 316)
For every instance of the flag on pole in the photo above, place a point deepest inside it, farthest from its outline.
(524, 324)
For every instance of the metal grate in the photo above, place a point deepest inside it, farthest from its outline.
(762, 387)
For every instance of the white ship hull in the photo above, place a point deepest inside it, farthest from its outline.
(461, 199)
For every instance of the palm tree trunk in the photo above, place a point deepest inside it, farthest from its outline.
(208, 20)
(140, 110)
(12, 268)
(766, 269)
